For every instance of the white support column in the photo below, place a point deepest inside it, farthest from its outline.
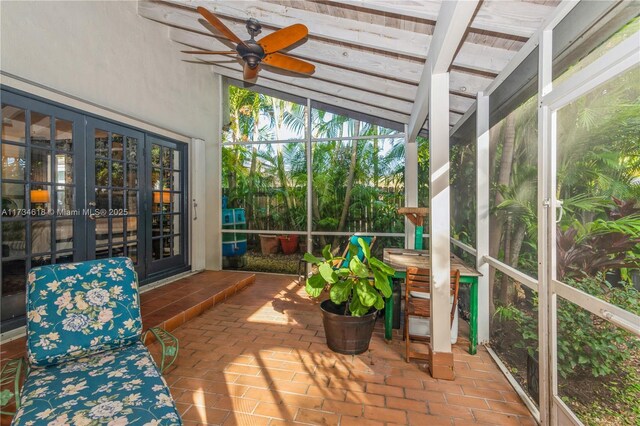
(546, 314)
(410, 185)
(441, 358)
(212, 212)
(482, 214)
(309, 157)
(197, 168)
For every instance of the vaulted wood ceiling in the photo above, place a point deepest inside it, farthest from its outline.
(369, 54)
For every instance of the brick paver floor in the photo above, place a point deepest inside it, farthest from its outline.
(260, 358)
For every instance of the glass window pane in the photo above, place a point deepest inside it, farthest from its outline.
(64, 257)
(117, 174)
(102, 252)
(358, 185)
(40, 165)
(40, 197)
(102, 143)
(64, 168)
(176, 159)
(40, 129)
(132, 202)
(102, 173)
(117, 251)
(13, 280)
(132, 176)
(155, 155)
(132, 149)
(177, 249)
(41, 236)
(64, 234)
(14, 162)
(117, 147)
(14, 238)
(155, 178)
(65, 198)
(13, 124)
(132, 228)
(598, 176)
(166, 247)
(117, 229)
(117, 200)
(102, 230)
(166, 157)
(102, 199)
(13, 198)
(167, 179)
(155, 249)
(132, 252)
(64, 135)
(155, 225)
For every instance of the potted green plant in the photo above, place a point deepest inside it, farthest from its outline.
(356, 292)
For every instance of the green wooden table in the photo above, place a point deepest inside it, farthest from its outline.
(400, 259)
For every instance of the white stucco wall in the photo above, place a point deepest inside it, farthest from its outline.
(104, 53)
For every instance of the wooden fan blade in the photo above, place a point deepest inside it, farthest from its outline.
(282, 38)
(213, 20)
(249, 73)
(209, 52)
(286, 62)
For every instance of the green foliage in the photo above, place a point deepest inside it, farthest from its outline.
(362, 285)
(586, 343)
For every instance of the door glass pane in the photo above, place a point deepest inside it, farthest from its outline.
(13, 288)
(166, 157)
(64, 168)
(13, 124)
(132, 252)
(41, 198)
(102, 143)
(14, 162)
(132, 202)
(64, 135)
(65, 198)
(13, 199)
(14, 238)
(117, 174)
(155, 155)
(102, 199)
(102, 230)
(132, 228)
(132, 176)
(117, 229)
(40, 130)
(132, 149)
(117, 147)
(598, 177)
(117, 201)
(64, 234)
(155, 249)
(102, 173)
(176, 245)
(40, 165)
(41, 236)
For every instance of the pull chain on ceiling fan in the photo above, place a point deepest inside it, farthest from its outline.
(265, 50)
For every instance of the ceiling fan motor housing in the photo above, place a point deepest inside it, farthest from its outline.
(251, 52)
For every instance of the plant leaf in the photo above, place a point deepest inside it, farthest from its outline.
(340, 291)
(358, 268)
(365, 248)
(314, 285)
(308, 257)
(366, 293)
(326, 252)
(382, 282)
(378, 264)
(356, 308)
(327, 273)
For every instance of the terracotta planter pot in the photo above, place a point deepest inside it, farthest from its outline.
(269, 244)
(289, 243)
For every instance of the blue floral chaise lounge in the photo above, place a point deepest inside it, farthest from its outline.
(87, 363)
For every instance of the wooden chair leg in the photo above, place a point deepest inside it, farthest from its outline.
(407, 340)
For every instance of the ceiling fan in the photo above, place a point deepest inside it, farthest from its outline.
(265, 50)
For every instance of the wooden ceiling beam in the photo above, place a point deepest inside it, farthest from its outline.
(520, 19)
(451, 27)
(342, 30)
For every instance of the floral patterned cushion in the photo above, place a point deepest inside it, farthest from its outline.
(114, 388)
(75, 309)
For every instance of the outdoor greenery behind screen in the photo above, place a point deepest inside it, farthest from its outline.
(359, 184)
